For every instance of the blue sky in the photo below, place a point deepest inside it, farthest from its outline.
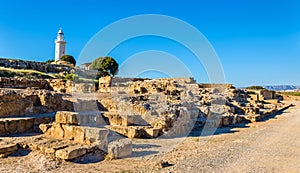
(258, 42)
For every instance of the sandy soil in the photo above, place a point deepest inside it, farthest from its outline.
(271, 145)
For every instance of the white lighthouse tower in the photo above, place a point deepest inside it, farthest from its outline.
(60, 45)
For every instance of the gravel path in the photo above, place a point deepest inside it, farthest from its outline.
(269, 146)
(272, 145)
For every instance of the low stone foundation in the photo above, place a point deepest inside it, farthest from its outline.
(67, 126)
(16, 125)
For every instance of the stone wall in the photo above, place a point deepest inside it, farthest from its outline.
(228, 86)
(68, 125)
(16, 102)
(39, 66)
(268, 94)
(57, 85)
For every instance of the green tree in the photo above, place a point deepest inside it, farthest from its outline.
(106, 66)
(68, 58)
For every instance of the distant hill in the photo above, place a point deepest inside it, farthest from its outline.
(281, 87)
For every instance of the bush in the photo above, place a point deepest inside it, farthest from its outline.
(256, 88)
(72, 77)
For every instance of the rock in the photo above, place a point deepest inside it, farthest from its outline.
(97, 136)
(71, 152)
(16, 102)
(153, 132)
(69, 132)
(11, 126)
(79, 134)
(66, 117)
(7, 149)
(45, 127)
(56, 131)
(120, 149)
(163, 164)
(25, 125)
(2, 128)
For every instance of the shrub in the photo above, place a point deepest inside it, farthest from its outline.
(72, 77)
(255, 88)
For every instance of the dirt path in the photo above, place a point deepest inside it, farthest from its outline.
(269, 146)
(272, 145)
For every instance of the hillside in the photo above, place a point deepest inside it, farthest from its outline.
(280, 87)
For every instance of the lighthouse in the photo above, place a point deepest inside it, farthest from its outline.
(60, 45)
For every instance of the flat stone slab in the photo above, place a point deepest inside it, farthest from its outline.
(79, 134)
(88, 118)
(136, 131)
(124, 120)
(120, 149)
(22, 124)
(59, 148)
(71, 152)
(7, 148)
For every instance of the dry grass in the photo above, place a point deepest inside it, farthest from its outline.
(10, 72)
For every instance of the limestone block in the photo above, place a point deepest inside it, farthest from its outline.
(97, 136)
(132, 133)
(43, 120)
(57, 131)
(71, 152)
(24, 125)
(11, 126)
(153, 132)
(8, 148)
(45, 127)
(65, 117)
(92, 119)
(78, 134)
(69, 132)
(2, 128)
(120, 149)
(115, 118)
(134, 120)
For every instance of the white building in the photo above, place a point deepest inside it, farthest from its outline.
(60, 45)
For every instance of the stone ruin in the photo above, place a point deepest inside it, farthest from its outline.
(76, 119)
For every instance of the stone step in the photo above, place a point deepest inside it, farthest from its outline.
(88, 118)
(7, 148)
(136, 131)
(64, 149)
(22, 124)
(115, 118)
(59, 148)
(79, 134)
(99, 118)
